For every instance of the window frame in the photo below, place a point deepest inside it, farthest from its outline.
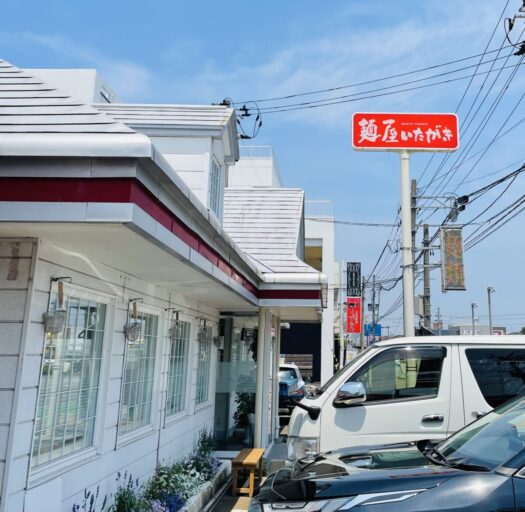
(211, 377)
(212, 184)
(49, 470)
(172, 418)
(445, 350)
(154, 417)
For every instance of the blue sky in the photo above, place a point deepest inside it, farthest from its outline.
(201, 52)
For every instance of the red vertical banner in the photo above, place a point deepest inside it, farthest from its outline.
(353, 315)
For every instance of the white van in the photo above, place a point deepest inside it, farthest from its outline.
(407, 389)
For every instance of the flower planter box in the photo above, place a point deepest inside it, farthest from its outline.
(198, 502)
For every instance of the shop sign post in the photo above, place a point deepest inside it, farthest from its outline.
(405, 133)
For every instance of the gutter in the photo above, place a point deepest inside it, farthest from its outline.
(295, 278)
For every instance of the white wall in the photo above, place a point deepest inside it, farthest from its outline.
(174, 437)
(191, 159)
(254, 172)
(85, 85)
(16, 268)
(324, 232)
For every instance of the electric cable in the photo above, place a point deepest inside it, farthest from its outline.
(387, 87)
(348, 86)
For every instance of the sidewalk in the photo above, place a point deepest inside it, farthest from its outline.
(272, 462)
(230, 503)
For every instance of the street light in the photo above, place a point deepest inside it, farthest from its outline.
(490, 291)
(473, 306)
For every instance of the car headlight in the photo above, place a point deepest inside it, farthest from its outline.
(378, 498)
(299, 447)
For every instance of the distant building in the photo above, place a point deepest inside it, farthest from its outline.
(257, 169)
(466, 330)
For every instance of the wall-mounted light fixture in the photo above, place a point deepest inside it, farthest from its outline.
(174, 330)
(201, 335)
(133, 326)
(219, 342)
(54, 320)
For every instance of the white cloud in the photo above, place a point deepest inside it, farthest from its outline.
(131, 81)
(352, 54)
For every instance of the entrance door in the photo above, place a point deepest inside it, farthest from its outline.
(408, 398)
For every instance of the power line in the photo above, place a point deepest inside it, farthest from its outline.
(327, 103)
(465, 127)
(364, 224)
(331, 98)
(357, 84)
(477, 133)
(475, 137)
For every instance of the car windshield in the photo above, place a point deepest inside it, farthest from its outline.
(490, 441)
(287, 373)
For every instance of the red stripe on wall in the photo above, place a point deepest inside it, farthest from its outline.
(130, 190)
(290, 294)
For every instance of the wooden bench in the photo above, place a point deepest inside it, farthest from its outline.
(248, 459)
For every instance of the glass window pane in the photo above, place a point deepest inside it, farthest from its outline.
(499, 372)
(137, 385)
(67, 369)
(203, 366)
(178, 369)
(402, 373)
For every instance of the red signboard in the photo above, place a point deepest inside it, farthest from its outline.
(353, 315)
(414, 132)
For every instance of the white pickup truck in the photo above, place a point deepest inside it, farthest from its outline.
(407, 389)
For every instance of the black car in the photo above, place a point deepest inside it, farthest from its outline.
(481, 468)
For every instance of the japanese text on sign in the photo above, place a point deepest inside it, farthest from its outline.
(452, 273)
(353, 279)
(417, 132)
(353, 315)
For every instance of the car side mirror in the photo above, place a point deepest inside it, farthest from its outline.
(350, 393)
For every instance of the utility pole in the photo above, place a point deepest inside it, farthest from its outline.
(473, 307)
(413, 214)
(362, 333)
(406, 246)
(490, 291)
(439, 321)
(374, 308)
(342, 323)
(427, 316)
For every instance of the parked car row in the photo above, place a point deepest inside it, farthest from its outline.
(374, 437)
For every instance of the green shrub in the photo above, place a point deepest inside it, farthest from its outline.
(128, 497)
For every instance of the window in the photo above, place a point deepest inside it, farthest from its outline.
(287, 373)
(402, 373)
(69, 382)
(215, 188)
(499, 372)
(137, 384)
(203, 366)
(178, 370)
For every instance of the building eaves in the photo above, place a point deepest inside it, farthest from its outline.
(266, 225)
(178, 120)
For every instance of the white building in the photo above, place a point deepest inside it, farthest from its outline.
(257, 169)
(111, 217)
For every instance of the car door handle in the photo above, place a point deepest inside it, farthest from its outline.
(478, 414)
(433, 418)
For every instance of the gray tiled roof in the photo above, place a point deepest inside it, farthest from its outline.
(168, 115)
(266, 225)
(29, 106)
